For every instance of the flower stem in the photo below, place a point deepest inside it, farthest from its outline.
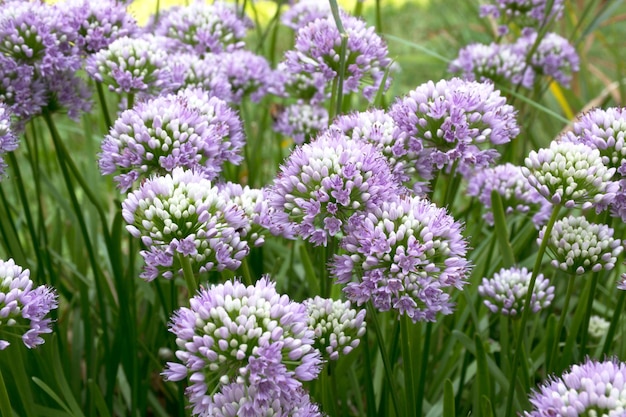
(559, 326)
(190, 280)
(421, 383)
(407, 360)
(5, 404)
(614, 323)
(585, 325)
(103, 104)
(526, 313)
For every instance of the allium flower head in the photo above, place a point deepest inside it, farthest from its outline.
(203, 28)
(301, 121)
(405, 254)
(182, 214)
(23, 309)
(514, 189)
(450, 119)
(21, 89)
(8, 140)
(598, 327)
(324, 183)
(190, 130)
(131, 65)
(554, 57)
(578, 246)
(253, 201)
(338, 328)
(252, 339)
(301, 13)
(570, 174)
(506, 291)
(525, 13)
(591, 389)
(379, 128)
(190, 71)
(317, 50)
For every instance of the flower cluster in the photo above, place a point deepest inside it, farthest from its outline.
(598, 327)
(8, 140)
(570, 174)
(337, 327)
(448, 120)
(324, 183)
(517, 195)
(253, 202)
(23, 309)
(525, 13)
(203, 28)
(301, 121)
(182, 215)
(132, 65)
(405, 255)
(246, 351)
(302, 12)
(554, 57)
(317, 51)
(578, 246)
(506, 291)
(190, 130)
(592, 388)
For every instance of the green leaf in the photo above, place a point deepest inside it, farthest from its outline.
(448, 399)
(502, 231)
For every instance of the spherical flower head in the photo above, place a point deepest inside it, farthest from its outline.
(303, 12)
(204, 28)
(406, 255)
(447, 121)
(337, 326)
(591, 388)
(189, 71)
(554, 57)
(317, 50)
(324, 183)
(8, 140)
(190, 130)
(21, 89)
(570, 174)
(251, 336)
(131, 65)
(301, 121)
(598, 327)
(182, 215)
(502, 64)
(98, 23)
(506, 291)
(23, 309)
(515, 191)
(524, 13)
(577, 246)
(253, 201)
(379, 128)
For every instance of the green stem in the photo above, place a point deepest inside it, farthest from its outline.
(526, 312)
(190, 280)
(614, 322)
(247, 275)
(103, 104)
(407, 360)
(131, 101)
(338, 94)
(5, 404)
(559, 326)
(585, 325)
(421, 383)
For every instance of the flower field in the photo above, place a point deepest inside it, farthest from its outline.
(312, 208)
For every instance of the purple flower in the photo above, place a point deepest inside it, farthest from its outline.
(301, 13)
(577, 246)
(21, 89)
(554, 57)
(447, 121)
(406, 254)
(514, 189)
(23, 309)
(524, 13)
(338, 328)
(324, 183)
(132, 65)
(190, 130)
(203, 28)
(301, 121)
(243, 348)
(182, 214)
(506, 292)
(254, 203)
(570, 174)
(191, 71)
(317, 51)
(8, 140)
(592, 388)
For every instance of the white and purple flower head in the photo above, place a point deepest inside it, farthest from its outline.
(578, 246)
(23, 309)
(447, 122)
(8, 140)
(190, 130)
(203, 28)
(317, 51)
(302, 12)
(524, 13)
(406, 255)
(183, 214)
(246, 345)
(301, 121)
(554, 57)
(571, 174)
(337, 326)
(324, 183)
(591, 388)
(253, 201)
(506, 291)
(517, 195)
